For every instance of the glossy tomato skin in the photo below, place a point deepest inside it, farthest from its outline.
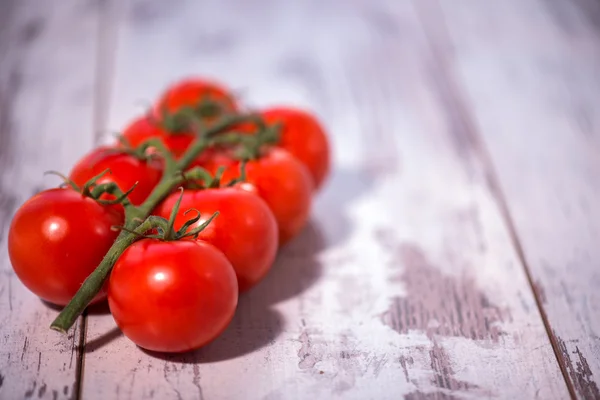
(281, 180)
(190, 91)
(172, 296)
(147, 127)
(56, 239)
(245, 229)
(304, 137)
(125, 170)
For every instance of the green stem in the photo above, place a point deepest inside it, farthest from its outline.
(172, 176)
(95, 281)
(115, 190)
(162, 150)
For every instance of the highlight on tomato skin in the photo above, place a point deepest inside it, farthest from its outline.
(56, 239)
(245, 229)
(280, 179)
(125, 170)
(189, 92)
(172, 296)
(304, 137)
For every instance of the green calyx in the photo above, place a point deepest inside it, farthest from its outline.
(94, 191)
(186, 119)
(165, 228)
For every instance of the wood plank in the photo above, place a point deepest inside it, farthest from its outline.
(47, 66)
(530, 69)
(405, 283)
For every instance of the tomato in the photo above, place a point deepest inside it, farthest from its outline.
(304, 137)
(190, 92)
(125, 170)
(147, 127)
(172, 296)
(245, 230)
(56, 239)
(281, 180)
(207, 158)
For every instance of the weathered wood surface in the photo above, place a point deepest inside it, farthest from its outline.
(534, 90)
(406, 283)
(466, 158)
(47, 68)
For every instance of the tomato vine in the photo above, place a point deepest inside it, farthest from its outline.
(172, 265)
(138, 220)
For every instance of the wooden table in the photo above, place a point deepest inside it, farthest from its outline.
(455, 251)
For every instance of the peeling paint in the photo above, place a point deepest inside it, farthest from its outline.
(196, 381)
(24, 348)
(30, 392)
(307, 354)
(429, 396)
(444, 374)
(579, 371)
(343, 355)
(42, 390)
(404, 362)
(439, 304)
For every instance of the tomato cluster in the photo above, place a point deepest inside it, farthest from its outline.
(171, 290)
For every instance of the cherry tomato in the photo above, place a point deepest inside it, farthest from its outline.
(172, 296)
(245, 229)
(147, 127)
(210, 157)
(304, 137)
(281, 180)
(190, 92)
(125, 170)
(56, 239)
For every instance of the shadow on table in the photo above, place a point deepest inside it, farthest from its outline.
(103, 340)
(95, 309)
(345, 186)
(52, 306)
(256, 324)
(297, 268)
(98, 309)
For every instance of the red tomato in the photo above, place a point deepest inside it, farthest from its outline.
(172, 296)
(56, 239)
(190, 92)
(304, 137)
(281, 180)
(245, 230)
(207, 158)
(125, 171)
(146, 127)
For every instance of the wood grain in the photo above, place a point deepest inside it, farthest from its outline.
(47, 67)
(535, 96)
(406, 283)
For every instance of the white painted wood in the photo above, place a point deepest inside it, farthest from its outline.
(531, 70)
(406, 283)
(47, 66)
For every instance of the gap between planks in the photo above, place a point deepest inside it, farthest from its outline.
(432, 18)
(107, 35)
(79, 367)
